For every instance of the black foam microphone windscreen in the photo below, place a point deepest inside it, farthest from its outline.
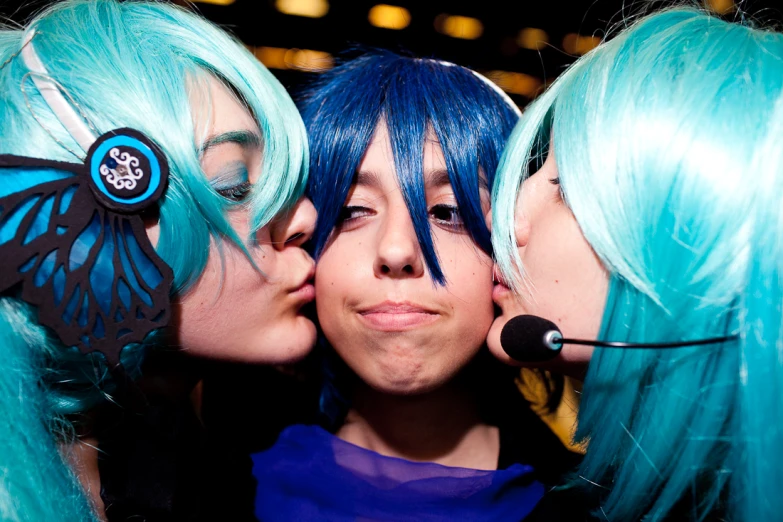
(527, 338)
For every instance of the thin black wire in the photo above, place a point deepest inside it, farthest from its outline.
(609, 344)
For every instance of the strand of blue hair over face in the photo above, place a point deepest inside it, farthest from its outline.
(667, 143)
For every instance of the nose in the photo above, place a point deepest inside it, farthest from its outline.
(295, 227)
(398, 252)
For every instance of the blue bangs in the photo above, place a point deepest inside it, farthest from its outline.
(416, 98)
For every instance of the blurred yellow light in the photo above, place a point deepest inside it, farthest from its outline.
(577, 44)
(463, 27)
(532, 38)
(308, 8)
(720, 6)
(516, 83)
(296, 59)
(389, 16)
(214, 2)
(308, 60)
(272, 57)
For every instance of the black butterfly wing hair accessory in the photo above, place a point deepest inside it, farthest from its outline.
(75, 244)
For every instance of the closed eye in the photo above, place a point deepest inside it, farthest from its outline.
(237, 193)
(556, 181)
(232, 182)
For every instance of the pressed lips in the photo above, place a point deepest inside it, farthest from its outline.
(390, 316)
(501, 288)
(306, 290)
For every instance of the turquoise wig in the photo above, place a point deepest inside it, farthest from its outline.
(121, 64)
(667, 140)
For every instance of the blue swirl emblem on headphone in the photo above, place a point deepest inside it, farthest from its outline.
(127, 171)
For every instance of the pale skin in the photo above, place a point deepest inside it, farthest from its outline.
(234, 312)
(405, 337)
(567, 283)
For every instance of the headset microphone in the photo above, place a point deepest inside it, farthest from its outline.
(529, 338)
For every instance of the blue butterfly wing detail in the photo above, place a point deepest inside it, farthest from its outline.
(92, 272)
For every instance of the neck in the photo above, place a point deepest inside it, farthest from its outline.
(441, 426)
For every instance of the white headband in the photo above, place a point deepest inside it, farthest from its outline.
(73, 122)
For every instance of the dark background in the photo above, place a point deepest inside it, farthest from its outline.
(345, 30)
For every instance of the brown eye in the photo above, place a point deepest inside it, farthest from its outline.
(447, 216)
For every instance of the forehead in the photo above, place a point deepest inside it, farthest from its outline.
(215, 109)
(378, 166)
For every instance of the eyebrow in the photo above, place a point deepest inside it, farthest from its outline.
(433, 178)
(367, 178)
(243, 138)
(436, 178)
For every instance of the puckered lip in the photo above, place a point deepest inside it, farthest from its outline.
(308, 279)
(497, 276)
(501, 288)
(396, 307)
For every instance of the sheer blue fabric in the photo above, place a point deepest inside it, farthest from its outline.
(309, 474)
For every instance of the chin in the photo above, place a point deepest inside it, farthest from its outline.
(402, 388)
(407, 381)
(287, 344)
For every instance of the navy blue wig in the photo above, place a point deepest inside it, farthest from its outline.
(414, 98)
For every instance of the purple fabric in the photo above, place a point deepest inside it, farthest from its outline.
(310, 474)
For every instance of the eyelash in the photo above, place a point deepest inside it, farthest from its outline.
(236, 193)
(453, 221)
(556, 181)
(348, 213)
